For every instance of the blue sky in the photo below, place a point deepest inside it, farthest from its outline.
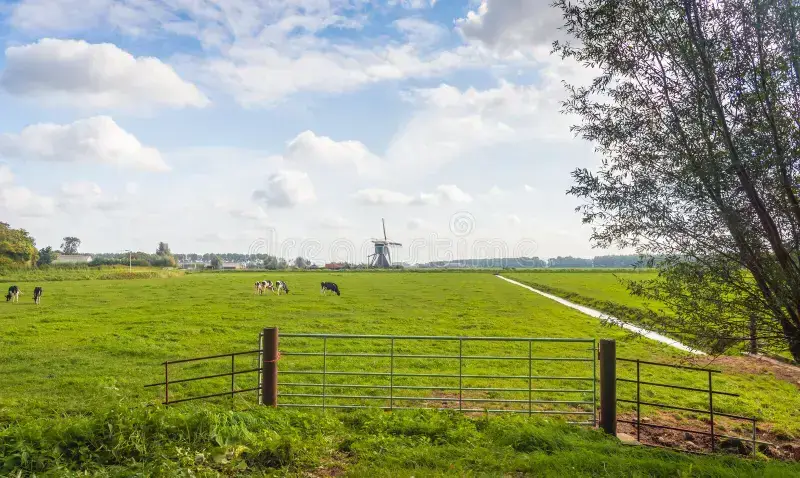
(290, 126)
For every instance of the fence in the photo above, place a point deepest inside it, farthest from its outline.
(232, 374)
(329, 371)
(463, 373)
(710, 412)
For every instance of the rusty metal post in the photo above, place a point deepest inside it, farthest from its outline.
(166, 383)
(608, 386)
(269, 368)
(711, 410)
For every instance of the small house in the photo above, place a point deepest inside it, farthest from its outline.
(73, 259)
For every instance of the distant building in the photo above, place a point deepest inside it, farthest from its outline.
(335, 266)
(229, 266)
(72, 259)
(192, 265)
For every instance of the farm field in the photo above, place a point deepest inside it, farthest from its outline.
(92, 345)
(595, 286)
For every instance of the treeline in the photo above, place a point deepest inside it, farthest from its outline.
(506, 262)
(136, 259)
(568, 262)
(17, 247)
(251, 261)
(606, 262)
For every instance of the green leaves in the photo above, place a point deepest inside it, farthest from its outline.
(695, 114)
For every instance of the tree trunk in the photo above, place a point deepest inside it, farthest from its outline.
(792, 335)
(753, 336)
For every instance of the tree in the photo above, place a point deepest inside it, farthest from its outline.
(17, 247)
(216, 262)
(163, 249)
(696, 111)
(46, 256)
(301, 263)
(70, 245)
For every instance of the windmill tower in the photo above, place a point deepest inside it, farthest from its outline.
(383, 256)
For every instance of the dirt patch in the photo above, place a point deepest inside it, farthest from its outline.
(335, 465)
(756, 365)
(696, 442)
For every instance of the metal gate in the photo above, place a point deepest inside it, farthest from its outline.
(534, 376)
(540, 376)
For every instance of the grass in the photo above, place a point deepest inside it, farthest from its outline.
(78, 272)
(269, 442)
(597, 287)
(92, 346)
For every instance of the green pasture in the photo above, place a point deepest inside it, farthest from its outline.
(597, 287)
(92, 345)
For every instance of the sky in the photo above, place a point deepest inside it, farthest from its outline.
(291, 127)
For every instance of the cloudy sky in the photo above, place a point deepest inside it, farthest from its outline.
(290, 126)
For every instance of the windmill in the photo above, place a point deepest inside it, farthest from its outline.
(383, 256)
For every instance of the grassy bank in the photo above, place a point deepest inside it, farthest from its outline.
(74, 273)
(268, 442)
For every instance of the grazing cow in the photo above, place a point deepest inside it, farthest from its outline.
(329, 286)
(262, 286)
(281, 286)
(37, 295)
(13, 294)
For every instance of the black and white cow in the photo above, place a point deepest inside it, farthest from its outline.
(37, 295)
(13, 294)
(280, 286)
(329, 286)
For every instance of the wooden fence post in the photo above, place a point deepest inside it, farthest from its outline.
(269, 368)
(608, 386)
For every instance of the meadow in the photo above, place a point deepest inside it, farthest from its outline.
(76, 366)
(591, 286)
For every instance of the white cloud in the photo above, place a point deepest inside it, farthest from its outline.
(132, 188)
(80, 74)
(496, 191)
(380, 197)
(452, 193)
(81, 190)
(261, 52)
(21, 201)
(511, 24)
(248, 73)
(419, 31)
(256, 213)
(528, 189)
(419, 224)
(514, 220)
(94, 140)
(308, 147)
(451, 123)
(286, 189)
(80, 196)
(25, 203)
(413, 4)
(67, 16)
(445, 193)
(6, 176)
(335, 223)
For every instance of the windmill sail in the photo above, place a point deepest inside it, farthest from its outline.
(383, 255)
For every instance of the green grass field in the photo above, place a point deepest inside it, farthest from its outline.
(92, 345)
(596, 286)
